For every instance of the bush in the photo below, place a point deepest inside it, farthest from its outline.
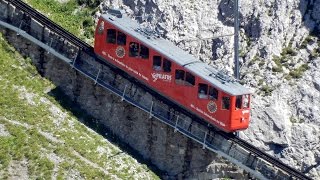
(297, 73)
(289, 51)
(277, 69)
(90, 3)
(267, 90)
(306, 41)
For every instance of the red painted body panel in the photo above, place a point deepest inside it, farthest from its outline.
(164, 82)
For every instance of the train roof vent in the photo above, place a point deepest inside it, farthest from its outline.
(149, 33)
(115, 12)
(146, 29)
(221, 76)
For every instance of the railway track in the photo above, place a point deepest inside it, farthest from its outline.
(83, 46)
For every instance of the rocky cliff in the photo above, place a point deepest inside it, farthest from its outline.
(279, 51)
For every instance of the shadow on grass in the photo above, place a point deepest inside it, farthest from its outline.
(84, 117)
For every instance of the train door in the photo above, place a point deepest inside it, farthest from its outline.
(138, 59)
(184, 86)
(161, 73)
(240, 112)
(116, 42)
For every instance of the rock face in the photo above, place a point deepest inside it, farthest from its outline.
(279, 51)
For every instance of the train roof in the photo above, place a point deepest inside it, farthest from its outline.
(175, 54)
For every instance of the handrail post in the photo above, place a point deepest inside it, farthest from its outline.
(18, 34)
(204, 141)
(50, 44)
(176, 125)
(150, 112)
(96, 80)
(124, 92)
(75, 58)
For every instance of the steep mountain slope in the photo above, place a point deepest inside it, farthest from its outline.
(40, 139)
(279, 62)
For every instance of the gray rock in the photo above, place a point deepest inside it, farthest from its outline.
(284, 117)
(316, 83)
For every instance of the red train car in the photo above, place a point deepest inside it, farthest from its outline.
(172, 72)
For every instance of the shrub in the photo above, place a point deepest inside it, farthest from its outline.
(277, 69)
(297, 73)
(267, 90)
(289, 51)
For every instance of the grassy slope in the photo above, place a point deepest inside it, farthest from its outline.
(76, 19)
(40, 129)
(42, 133)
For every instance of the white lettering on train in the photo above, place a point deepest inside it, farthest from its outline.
(130, 69)
(207, 115)
(164, 77)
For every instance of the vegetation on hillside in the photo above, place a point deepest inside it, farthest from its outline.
(74, 15)
(41, 140)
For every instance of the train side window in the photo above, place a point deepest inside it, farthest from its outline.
(203, 91)
(180, 76)
(134, 49)
(238, 102)
(190, 79)
(101, 28)
(144, 52)
(121, 38)
(111, 36)
(246, 101)
(157, 63)
(166, 65)
(225, 102)
(213, 93)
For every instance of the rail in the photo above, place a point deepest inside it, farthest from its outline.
(181, 122)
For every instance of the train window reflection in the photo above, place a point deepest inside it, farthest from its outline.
(180, 76)
(213, 93)
(190, 79)
(246, 100)
(144, 52)
(203, 91)
(157, 63)
(111, 36)
(133, 49)
(238, 102)
(225, 102)
(166, 65)
(121, 38)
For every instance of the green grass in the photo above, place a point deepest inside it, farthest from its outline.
(25, 120)
(298, 72)
(70, 15)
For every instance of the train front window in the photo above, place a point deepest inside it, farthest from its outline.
(180, 76)
(121, 38)
(203, 91)
(238, 102)
(226, 103)
(246, 99)
(134, 49)
(166, 65)
(157, 63)
(144, 52)
(111, 36)
(213, 93)
(190, 79)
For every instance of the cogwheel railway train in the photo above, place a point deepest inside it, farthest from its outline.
(172, 72)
